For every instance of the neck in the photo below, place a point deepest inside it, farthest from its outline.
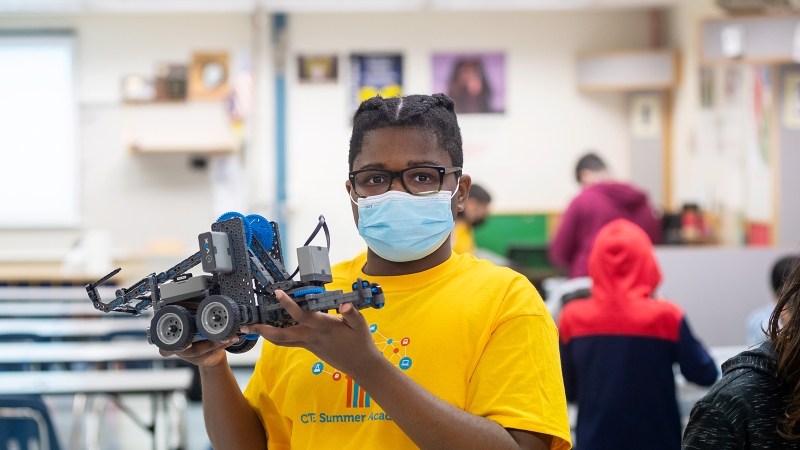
(377, 266)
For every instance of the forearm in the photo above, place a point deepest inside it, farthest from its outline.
(428, 420)
(230, 421)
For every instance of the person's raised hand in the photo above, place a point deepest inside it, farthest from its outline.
(203, 353)
(343, 341)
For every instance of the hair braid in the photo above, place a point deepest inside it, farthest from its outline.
(433, 113)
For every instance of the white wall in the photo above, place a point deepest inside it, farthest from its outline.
(136, 197)
(534, 145)
(684, 34)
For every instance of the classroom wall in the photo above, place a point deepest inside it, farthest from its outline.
(683, 26)
(138, 198)
(530, 150)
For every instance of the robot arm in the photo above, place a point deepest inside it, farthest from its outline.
(142, 294)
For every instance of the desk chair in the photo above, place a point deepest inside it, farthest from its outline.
(25, 424)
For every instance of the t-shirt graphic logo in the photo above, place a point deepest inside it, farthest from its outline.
(356, 397)
(396, 351)
(391, 348)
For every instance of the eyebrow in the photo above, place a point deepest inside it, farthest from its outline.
(381, 166)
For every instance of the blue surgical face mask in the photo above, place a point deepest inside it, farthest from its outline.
(401, 227)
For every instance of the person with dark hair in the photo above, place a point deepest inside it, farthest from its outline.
(469, 88)
(601, 201)
(473, 216)
(463, 356)
(618, 348)
(758, 320)
(756, 403)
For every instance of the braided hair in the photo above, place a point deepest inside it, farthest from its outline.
(432, 113)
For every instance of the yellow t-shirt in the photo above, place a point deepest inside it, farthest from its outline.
(463, 239)
(475, 335)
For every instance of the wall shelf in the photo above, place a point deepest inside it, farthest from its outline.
(186, 127)
(628, 71)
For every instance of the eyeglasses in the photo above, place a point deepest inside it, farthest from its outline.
(418, 180)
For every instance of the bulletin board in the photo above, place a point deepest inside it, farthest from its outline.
(734, 163)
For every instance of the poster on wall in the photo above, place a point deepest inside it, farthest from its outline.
(375, 74)
(313, 69)
(646, 116)
(475, 81)
(791, 101)
(708, 92)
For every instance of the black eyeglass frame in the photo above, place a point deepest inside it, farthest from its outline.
(399, 175)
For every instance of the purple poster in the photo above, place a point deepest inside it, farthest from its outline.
(476, 81)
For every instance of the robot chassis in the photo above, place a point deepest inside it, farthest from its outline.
(244, 258)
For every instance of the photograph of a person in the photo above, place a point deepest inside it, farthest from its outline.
(475, 81)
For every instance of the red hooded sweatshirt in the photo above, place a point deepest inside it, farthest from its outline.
(596, 206)
(618, 348)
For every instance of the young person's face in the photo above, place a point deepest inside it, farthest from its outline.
(396, 148)
(476, 212)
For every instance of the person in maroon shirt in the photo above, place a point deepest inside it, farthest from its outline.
(601, 201)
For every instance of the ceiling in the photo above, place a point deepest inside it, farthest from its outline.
(156, 6)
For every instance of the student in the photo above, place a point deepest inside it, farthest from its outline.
(601, 201)
(756, 403)
(618, 348)
(463, 355)
(474, 215)
(758, 320)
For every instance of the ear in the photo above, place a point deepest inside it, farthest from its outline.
(463, 191)
(348, 187)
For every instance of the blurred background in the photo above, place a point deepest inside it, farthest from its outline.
(128, 126)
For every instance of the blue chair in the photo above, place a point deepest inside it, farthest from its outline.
(25, 423)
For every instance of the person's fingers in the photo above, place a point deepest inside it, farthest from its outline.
(352, 317)
(299, 314)
(201, 348)
(165, 353)
(280, 336)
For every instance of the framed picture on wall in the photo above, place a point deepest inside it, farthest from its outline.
(646, 116)
(375, 74)
(209, 76)
(791, 100)
(475, 81)
(316, 69)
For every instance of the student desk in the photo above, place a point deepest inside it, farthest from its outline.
(56, 293)
(72, 328)
(9, 309)
(95, 352)
(156, 383)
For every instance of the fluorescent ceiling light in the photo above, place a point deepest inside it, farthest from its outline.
(343, 5)
(164, 6)
(511, 4)
(23, 6)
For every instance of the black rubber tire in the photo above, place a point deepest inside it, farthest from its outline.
(218, 318)
(172, 328)
(242, 346)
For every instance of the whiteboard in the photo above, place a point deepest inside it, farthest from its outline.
(39, 182)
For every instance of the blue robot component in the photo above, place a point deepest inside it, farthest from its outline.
(262, 230)
(243, 276)
(248, 232)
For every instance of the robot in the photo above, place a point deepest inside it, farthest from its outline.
(244, 262)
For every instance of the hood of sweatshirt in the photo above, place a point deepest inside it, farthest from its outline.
(623, 195)
(622, 264)
(762, 358)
